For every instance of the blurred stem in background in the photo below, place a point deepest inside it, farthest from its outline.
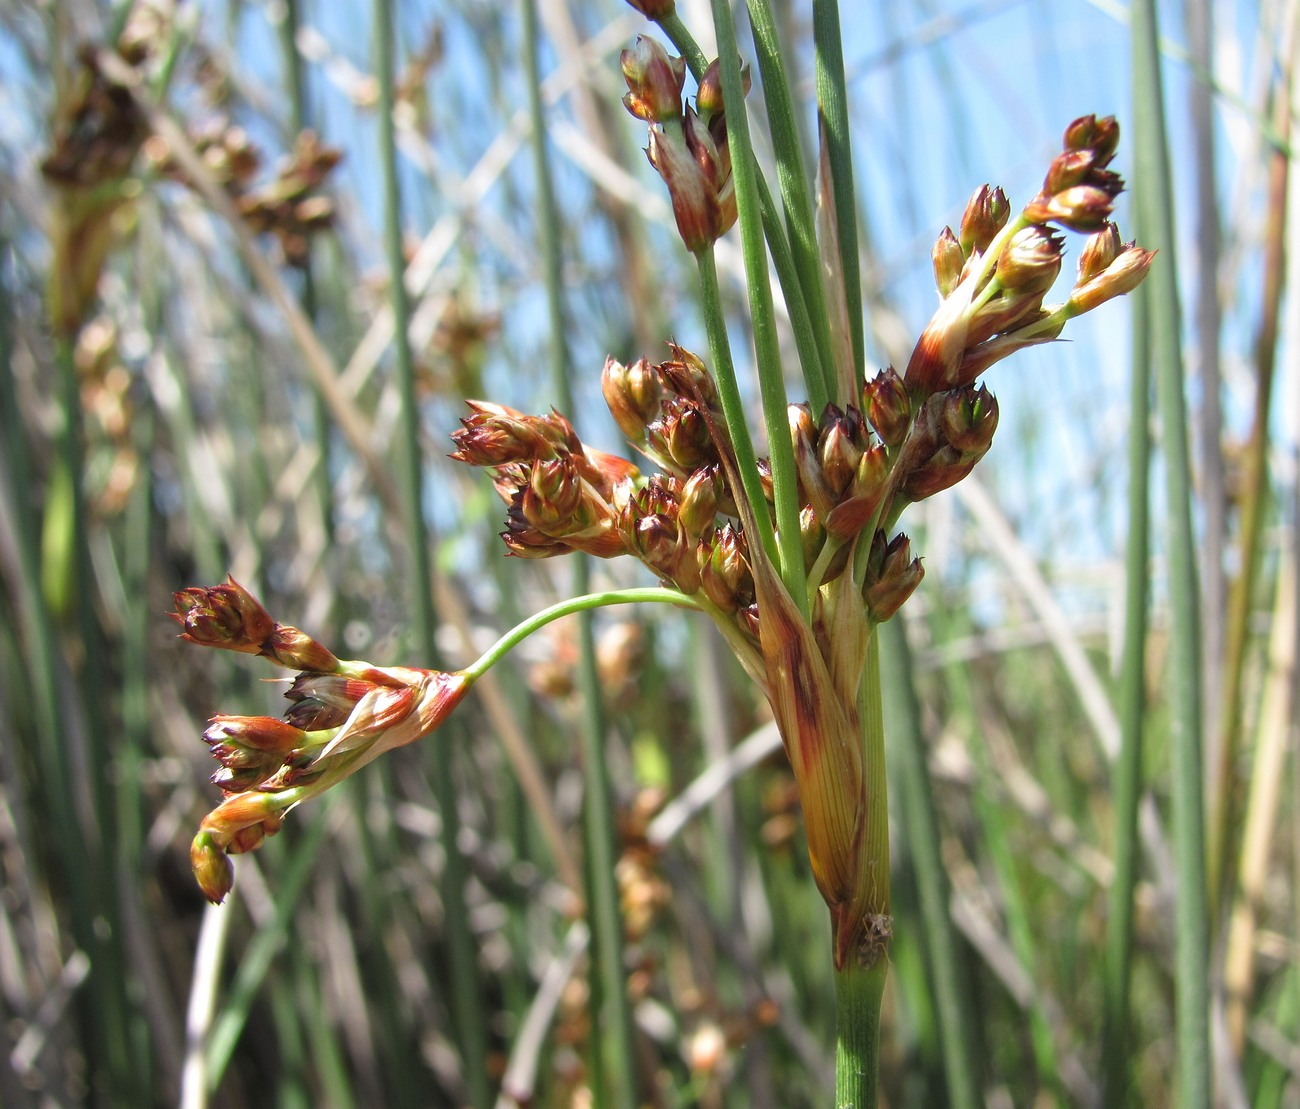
(1155, 211)
(463, 957)
(613, 1058)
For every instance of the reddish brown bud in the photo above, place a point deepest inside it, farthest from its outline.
(948, 261)
(839, 447)
(968, 418)
(264, 735)
(1031, 261)
(495, 435)
(725, 576)
(680, 439)
(699, 501)
(554, 492)
(892, 576)
(1101, 249)
(654, 9)
(687, 376)
(1090, 133)
(633, 394)
(1069, 168)
(850, 516)
(226, 616)
(1082, 208)
(886, 403)
(986, 214)
(1123, 275)
(654, 80)
(323, 700)
(695, 164)
(213, 870)
(708, 97)
(291, 647)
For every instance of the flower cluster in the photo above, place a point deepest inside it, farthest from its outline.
(901, 439)
(688, 146)
(342, 715)
(995, 272)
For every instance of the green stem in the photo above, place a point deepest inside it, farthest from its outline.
(857, 1034)
(806, 335)
(648, 594)
(614, 1058)
(793, 181)
(1115, 1049)
(833, 111)
(467, 997)
(920, 826)
(1155, 211)
(733, 408)
(744, 171)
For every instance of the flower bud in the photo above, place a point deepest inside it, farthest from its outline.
(654, 81)
(948, 261)
(708, 97)
(1081, 208)
(1031, 261)
(986, 214)
(295, 649)
(550, 503)
(323, 700)
(968, 418)
(1069, 168)
(1123, 275)
(850, 516)
(687, 376)
(1098, 135)
(680, 437)
(632, 393)
(725, 576)
(892, 576)
(888, 408)
(496, 435)
(1098, 252)
(699, 501)
(226, 616)
(654, 9)
(839, 447)
(213, 870)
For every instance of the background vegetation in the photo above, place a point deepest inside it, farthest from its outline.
(199, 378)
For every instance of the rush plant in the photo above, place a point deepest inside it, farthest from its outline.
(797, 557)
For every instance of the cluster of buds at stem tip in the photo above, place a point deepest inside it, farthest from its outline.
(688, 145)
(341, 716)
(995, 272)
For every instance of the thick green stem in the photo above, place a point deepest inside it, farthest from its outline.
(833, 112)
(744, 171)
(817, 364)
(792, 178)
(857, 1034)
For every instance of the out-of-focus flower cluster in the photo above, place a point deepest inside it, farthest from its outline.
(341, 716)
(289, 207)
